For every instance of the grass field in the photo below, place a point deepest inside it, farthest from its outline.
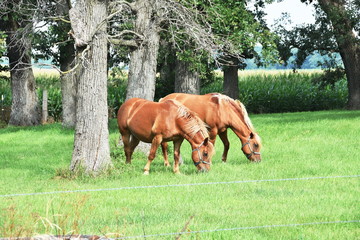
(296, 145)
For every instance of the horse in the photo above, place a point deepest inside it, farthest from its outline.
(221, 112)
(153, 122)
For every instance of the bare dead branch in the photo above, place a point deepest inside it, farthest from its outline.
(185, 227)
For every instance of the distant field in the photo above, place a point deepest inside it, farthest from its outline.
(38, 71)
(272, 72)
(52, 71)
(310, 155)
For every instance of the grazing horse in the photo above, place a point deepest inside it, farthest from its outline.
(153, 122)
(221, 112)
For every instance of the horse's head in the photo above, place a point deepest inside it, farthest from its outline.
(251, 148)
(202, 155)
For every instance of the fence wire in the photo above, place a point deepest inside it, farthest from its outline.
(184, 185)
(176, 185)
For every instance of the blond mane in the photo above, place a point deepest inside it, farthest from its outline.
(193, 123)
(239, 106)
(246, 116)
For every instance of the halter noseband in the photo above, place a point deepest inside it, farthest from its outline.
(252, 152)
(200, 157)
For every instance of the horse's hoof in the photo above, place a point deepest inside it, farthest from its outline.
(167, 164)
(146, 172)
(128, 162)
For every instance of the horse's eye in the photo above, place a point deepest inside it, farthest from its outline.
(205, 154)
(256, 145)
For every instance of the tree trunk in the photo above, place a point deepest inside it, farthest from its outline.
(44, 115)
(24, 107)
(68, 94)
(231, 77)
(231, 81)
(91, 143)
(348, 46)
(68, 81)
(166, 68)
(186, 80)
(143, 60)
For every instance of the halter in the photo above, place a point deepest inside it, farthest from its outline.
(252, 152)
(200, 157)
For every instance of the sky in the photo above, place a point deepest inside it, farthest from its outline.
(299, 12)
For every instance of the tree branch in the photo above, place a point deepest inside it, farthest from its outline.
(129, 43)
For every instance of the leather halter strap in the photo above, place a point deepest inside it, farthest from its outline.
(251, 150)
(200, 157)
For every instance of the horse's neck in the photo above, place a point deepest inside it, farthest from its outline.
(196, 140)
(237, 123)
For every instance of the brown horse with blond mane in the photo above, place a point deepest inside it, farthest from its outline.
(221, 112)
(152, 122)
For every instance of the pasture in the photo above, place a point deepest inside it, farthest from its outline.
(313, 156)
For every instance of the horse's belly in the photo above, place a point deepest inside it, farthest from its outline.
(143, 138)
(141, 131)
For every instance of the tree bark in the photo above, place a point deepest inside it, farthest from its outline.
(91, 143)
(24, 108)
(166, 68)
(231, 77)
(68, 94)
(68, 81)
(348, 46)
(44, 115)
(186, 80)
(231, 82)
(143, 60)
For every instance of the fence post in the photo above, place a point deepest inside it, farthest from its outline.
(44, 107)
(2, 116)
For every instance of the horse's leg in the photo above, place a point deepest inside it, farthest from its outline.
(224, 139)
(177, 145)
(154, 146)
(127, 149)
(133, 144)
(164, 148)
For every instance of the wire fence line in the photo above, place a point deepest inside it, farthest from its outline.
(176, 185)
(236, 228)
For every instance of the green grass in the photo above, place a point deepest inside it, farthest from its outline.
(296, 145)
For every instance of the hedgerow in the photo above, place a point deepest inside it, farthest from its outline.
(260, 93)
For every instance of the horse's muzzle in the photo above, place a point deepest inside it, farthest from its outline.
(203, 170)
(256, 159)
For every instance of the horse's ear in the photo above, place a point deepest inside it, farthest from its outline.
(215, 99)
(206, 141)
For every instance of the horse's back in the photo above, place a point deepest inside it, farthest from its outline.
(144, 118)
(205, 107)
(126, 109)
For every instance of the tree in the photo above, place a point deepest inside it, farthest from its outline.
(66, 61)
(56, 34)
(91, 143)
(236, 32)
(348, 44)
(143, 59)
(177, 18)
(240, 30)
(187, 80)
(336, 29)
(17, 23)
